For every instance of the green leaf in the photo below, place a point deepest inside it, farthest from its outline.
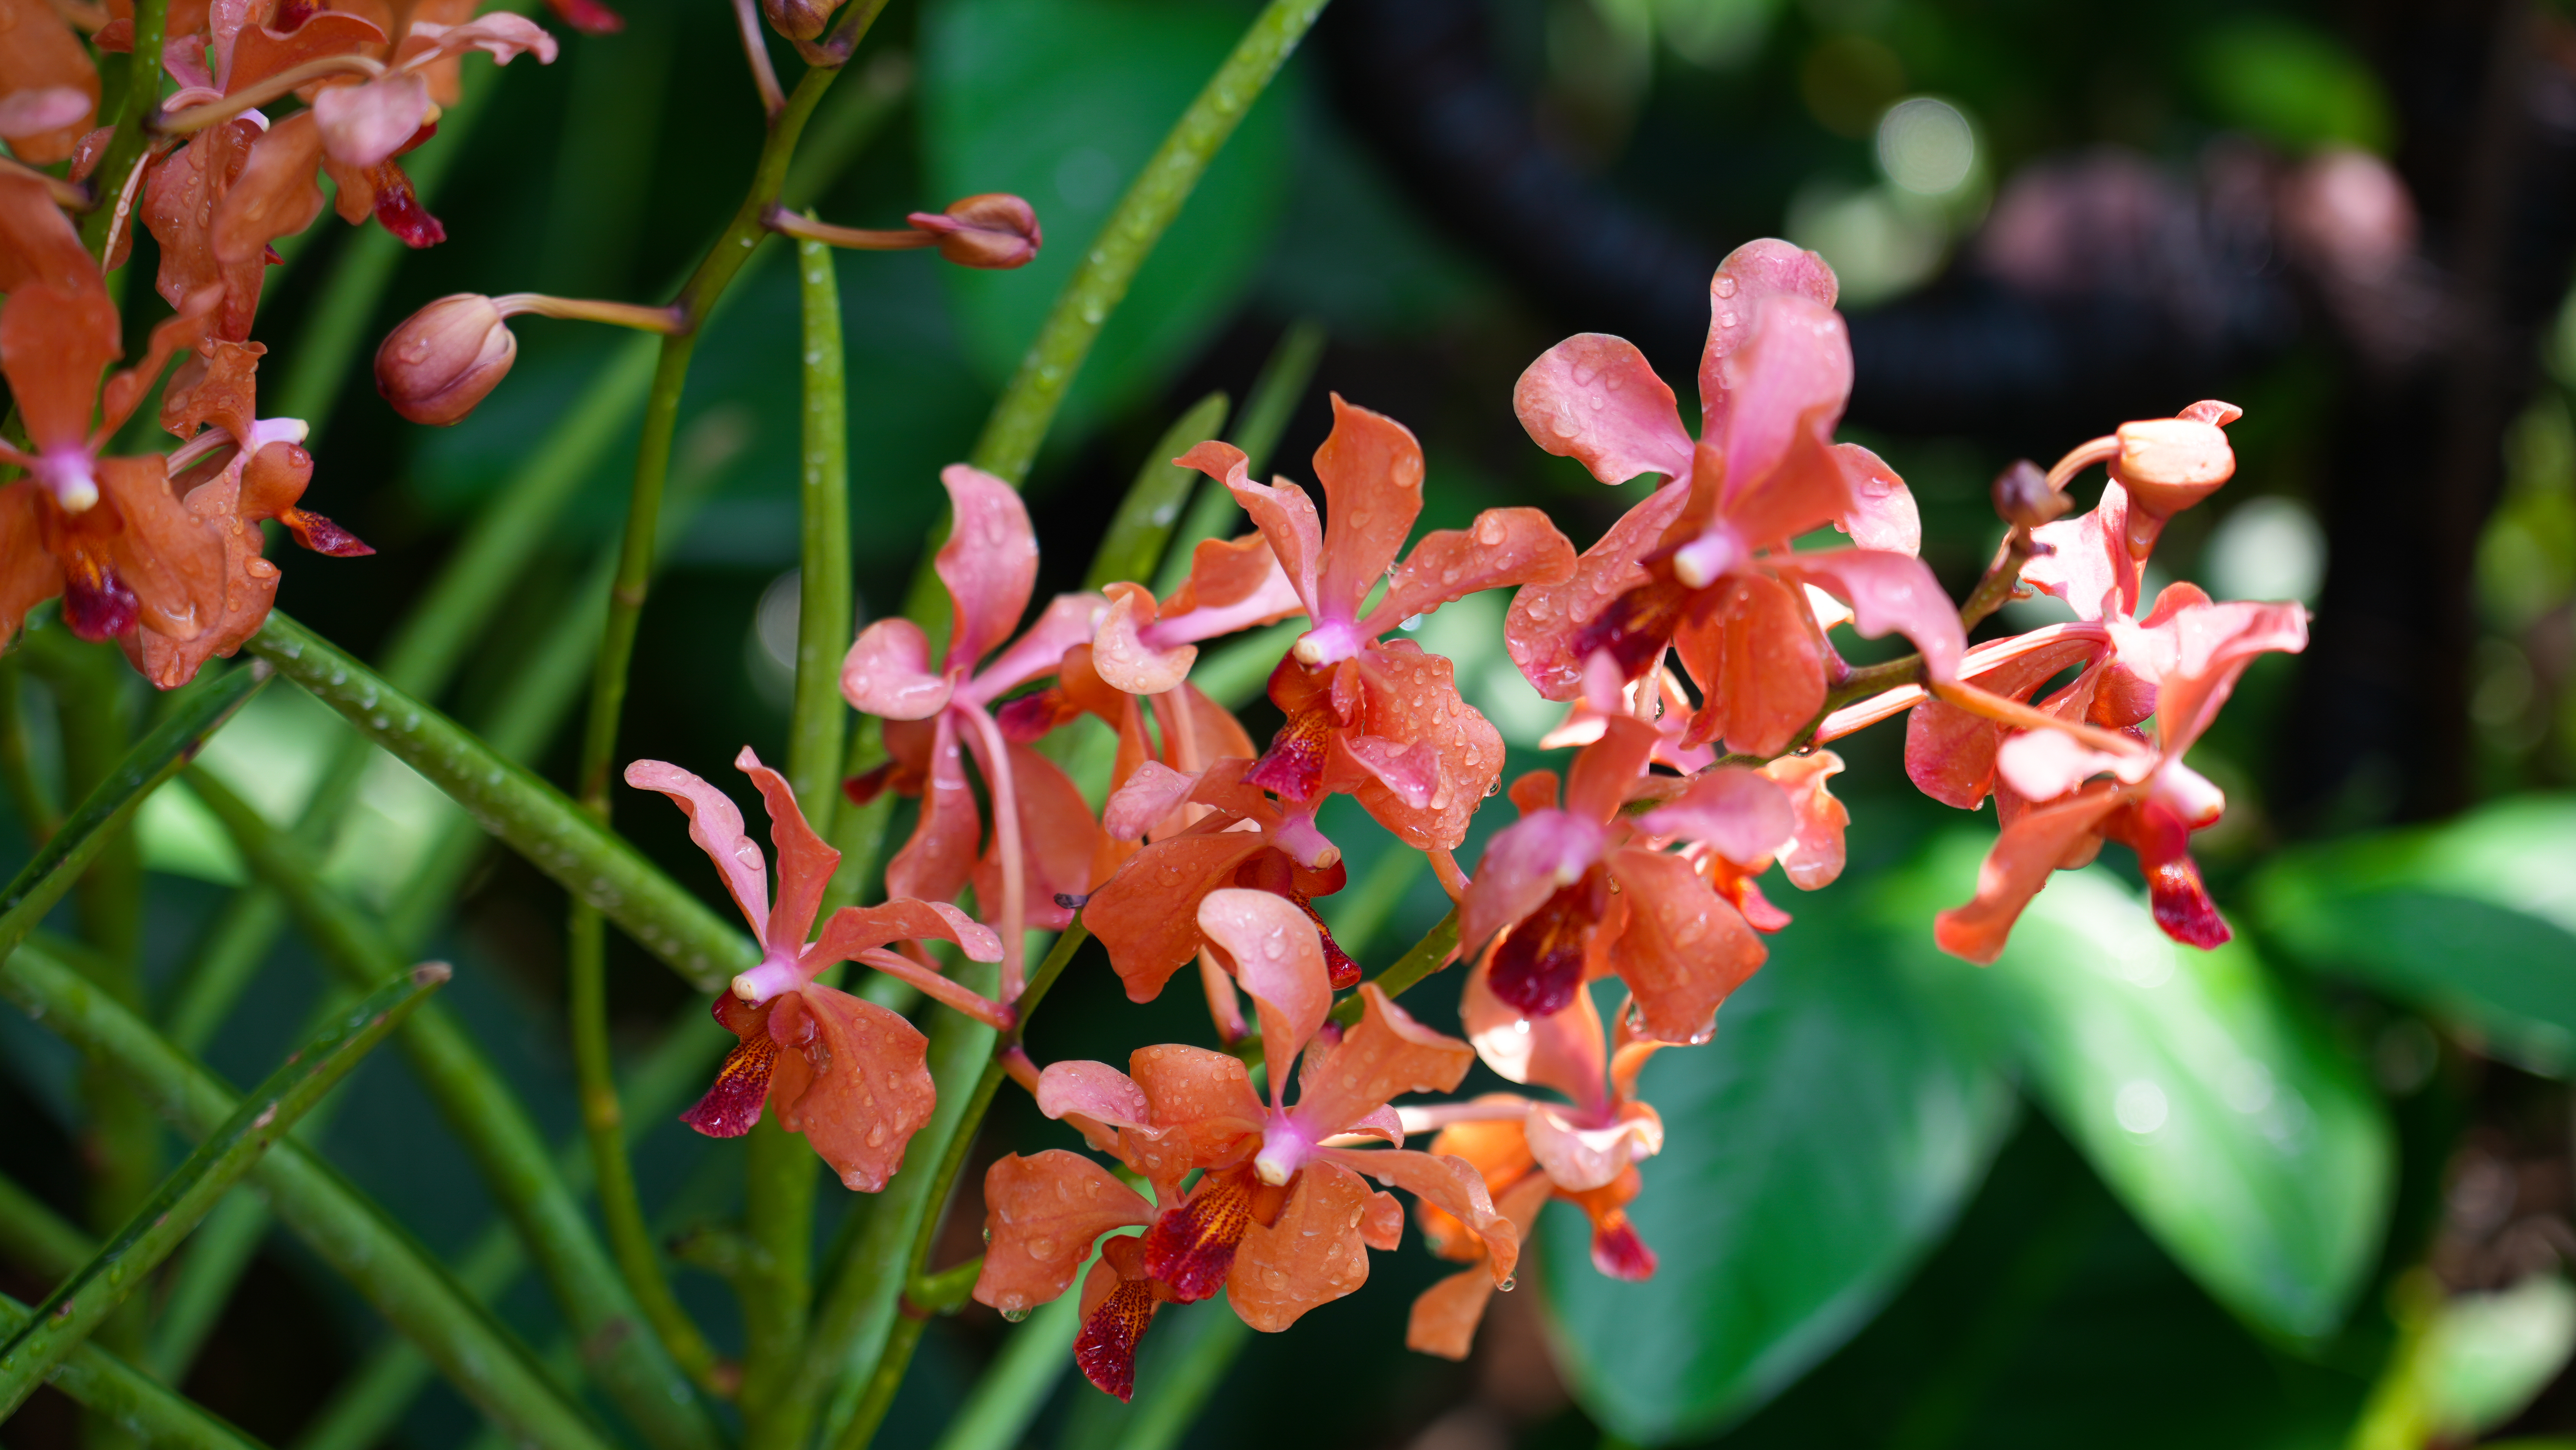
(2246, 1143)
(2474, 919)
(84, 1300)
(1143, 524)
(1061, 102)
(1813, 1152)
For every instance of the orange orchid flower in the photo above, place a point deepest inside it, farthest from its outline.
(846, 1073)
(1703, 565)
(1279, 1217)
(1378, 719)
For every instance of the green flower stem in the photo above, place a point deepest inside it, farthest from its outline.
(132, 1401)
(83, 1301)
(875, 1256)
(1019, 422)
(1007, 1398)
(475, 1099)
(125, 146)
(37, 1239)
(363, 1410)
(1142, 528)
(17, 761)
(1173, 1400)
(319, 364)
(354, 1237)
(1276, 392)
(529, 815)
(1428, 955)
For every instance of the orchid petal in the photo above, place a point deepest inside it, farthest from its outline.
(1540, 629)
(1044, 1212)
(1068, 620)
(1814, 856)
(1759, 665)
(1153, 792)
(1312, 1255)
(1453, 1184)
(1503, 547)
(854, 929)
(1881, 514)
(715, 824)
(1387, 1054)
(1595, 399)
(1371, 470)
(1279, 959)
(1739, 812)
(850, 1078)
(887, 673)
(1889, 592)
(1563, 1050)
(1524, 864)
(937, 862)
(1096, 1091)
(805, 864)
(1147, 915)
(1285, 516)
(2036, 843)
(1685, 949)
(990, 562)
(365, 124)
(1123, 658)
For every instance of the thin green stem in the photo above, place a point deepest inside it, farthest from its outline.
(1428, 955)
(1019, 422)
(476, 1101)
(1142, 528)
(133, 1401)
(27, 794)
(351, 1235)
(1170, 1403)
(525, 812)
(364, 1408)
(83, 1301)
(37, 1239)
(125, 147)
(1012, 1389)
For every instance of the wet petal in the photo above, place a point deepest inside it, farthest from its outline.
(1950, 753)
(940, 858)
(1889, 592)
(854, 929)
(1881, 512)
(1233, 584)
(1413, 696)
(887, 673)
(48, 85)
(1451, 1183)
(1503, 547)
(1371, 470)
(1814, 856)
(1117, 1307)
(1123, 658)
(1578, 1158)
(2086, 560)
(1191, 1246)
(2199, 655)
(1759, 666)
(733, 1101)
(1386, 1055)
(1563, 1050)
(1096, 1091)
(1285, 516)
(1595, 399)
(1685, 949)
(990, 562)
(1042, 1214)
(1279, 959)
(1597, 784)
(1540, 629)
(1312, 1255)
(2041, 765)
(1785, 389)
(805, 864)
(1147, 915)
(1524, 864)
(2033, 845)
(715, 824)
(1067, 621)
(850, 1078)
(1738, 811)
(1060, 842)
(365, 124)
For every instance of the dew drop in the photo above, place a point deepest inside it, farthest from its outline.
(1016, 1315)
(1510, 1282)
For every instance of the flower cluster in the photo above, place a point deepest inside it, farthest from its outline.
(1694, 644)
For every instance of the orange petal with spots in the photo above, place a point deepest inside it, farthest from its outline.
(1042, 1214)
(852, 1081)
(1312, 1255)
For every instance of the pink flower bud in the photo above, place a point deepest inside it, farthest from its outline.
(440, 363)
(2169, 464)
(2022, 496)
(799, 19)
(995, 230)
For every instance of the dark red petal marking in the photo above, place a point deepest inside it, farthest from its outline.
(732, 1104)
(1190, 1248)
(323, 536)
(1618, 1253)
(1636, 627)
(1293, 768)
(398, 208)
(867, 785)
(1539, 967)
(1106, 1348)
(1345, 972)
(2174, 891)
(1032, 715)
(96, 604)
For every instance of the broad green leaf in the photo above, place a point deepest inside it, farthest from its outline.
(2475, 918)
(1061, 102)
(84, 1300)
(1814, 1151)
(2488, 1355)
(2245, 1143)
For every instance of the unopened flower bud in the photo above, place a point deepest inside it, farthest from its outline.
(445, 358)
(799, 19)
(2023, 497)
(994, 230)
(2169, 464)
